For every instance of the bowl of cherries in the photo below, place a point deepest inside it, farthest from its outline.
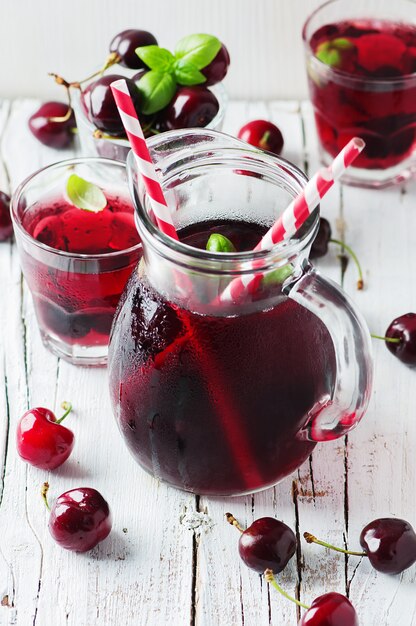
(170, 90)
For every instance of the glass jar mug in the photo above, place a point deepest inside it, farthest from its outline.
(229, 397)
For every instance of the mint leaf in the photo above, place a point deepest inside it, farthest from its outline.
(85, 195)
(330, 52)
(198, 50)
(187, 74)
(156, 58)
(278, 276)
(219, 243)
(342, 44)
(157, 90)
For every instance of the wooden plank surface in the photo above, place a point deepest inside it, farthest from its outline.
(171, 558)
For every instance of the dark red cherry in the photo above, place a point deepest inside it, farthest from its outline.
(50, 132)
(262, 134)
(320, 245)
(42, 441)
(79, 519)
(102, 109)
(6, 228)
(390, 544)
(191, 107)
(403, 328)
(330, 609)
(267, 544)
(125, 43)
(215, 72)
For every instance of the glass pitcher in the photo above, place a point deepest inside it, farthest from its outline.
(219, 396)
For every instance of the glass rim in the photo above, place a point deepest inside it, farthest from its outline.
(357, 80)
(220, 261)
(218, 90)
(14, 204)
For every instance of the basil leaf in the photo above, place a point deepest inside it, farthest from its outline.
(219, 243)
(187, 74)
(85, 195)
(278, 276)
(157, 90)
(156, 58)
(198, 50)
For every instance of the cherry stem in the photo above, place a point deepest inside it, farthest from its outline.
(360, 281)
(312, 539)
(263, 143)
(44, 493)
(231, 520)
(112, 59)
(98, 134)
(269, 577)
(388, 339)
(67, 407)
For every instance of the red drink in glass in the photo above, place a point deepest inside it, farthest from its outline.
(203, 367)
(224, 396)
(362, 82)
(76, 262)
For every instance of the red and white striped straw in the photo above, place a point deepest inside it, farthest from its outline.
(143, 159)
(296, 213)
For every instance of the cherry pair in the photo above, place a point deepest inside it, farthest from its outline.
(79, 518)
(267, 546)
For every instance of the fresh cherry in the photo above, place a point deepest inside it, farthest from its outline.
(390, 544)
(330, 609)
(320, 245)
(79, 518)
(401, 338)
(262, 134)
(125, 43)
(101, 106)
(215, 72)
(191, 107)
(266, 544)
(41, 439)
(6, 228)
(53, 124)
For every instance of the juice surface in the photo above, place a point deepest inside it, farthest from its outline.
(214, 404)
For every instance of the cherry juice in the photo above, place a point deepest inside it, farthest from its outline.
(75, 296)
(215, 404)
(368, 90)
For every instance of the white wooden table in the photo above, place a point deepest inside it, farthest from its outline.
(171, 559)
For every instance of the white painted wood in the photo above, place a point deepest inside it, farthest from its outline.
(178, 563)
(264, 40)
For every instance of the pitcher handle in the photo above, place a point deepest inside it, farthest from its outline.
(348, 401)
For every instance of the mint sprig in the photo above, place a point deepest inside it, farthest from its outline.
(85, 195)
(192, 54)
